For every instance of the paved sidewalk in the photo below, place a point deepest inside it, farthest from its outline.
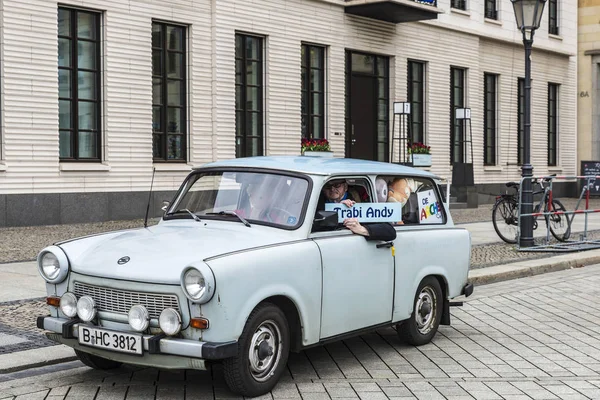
(21, 297)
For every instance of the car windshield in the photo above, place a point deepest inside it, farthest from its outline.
(256, 197)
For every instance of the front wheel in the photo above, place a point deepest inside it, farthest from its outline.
(505, 219)
(422, 326)
(560, 224)
(263, 350)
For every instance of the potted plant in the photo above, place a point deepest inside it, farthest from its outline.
(316, 148)
(419, 154)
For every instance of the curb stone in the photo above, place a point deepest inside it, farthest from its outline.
(522, 269)
(27, 359)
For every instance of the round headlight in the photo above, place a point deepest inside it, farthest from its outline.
(139, 319)
(53, 264)
(50, 266)
(86, 308)
(198, 283)
(68, 304)
(170, 321)
(194, 284)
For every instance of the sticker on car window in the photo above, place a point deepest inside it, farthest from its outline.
(292, 220)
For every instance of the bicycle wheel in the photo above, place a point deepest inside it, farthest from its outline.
(505, 219)
(560, 224)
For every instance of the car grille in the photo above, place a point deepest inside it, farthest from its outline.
(120, 301)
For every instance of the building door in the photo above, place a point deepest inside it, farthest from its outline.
(367, 106)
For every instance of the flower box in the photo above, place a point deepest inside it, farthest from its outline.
(324, 154)
(420, 160)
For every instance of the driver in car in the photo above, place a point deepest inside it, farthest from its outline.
(337, 191)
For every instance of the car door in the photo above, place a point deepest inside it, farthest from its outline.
(358, 282)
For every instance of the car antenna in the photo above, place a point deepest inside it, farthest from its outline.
(149, 198)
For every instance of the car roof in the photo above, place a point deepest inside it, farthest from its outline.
(320, 166)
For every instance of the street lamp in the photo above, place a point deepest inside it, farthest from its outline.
(529, 15)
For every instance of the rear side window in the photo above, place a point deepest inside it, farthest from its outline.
(421, 204)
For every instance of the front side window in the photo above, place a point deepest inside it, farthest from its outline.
(490, 110)
(229, 195)
(457, 100)
(418, 196)
(552, 124)
(313, 92)
(416, 97)
(490, 9)
(168, 93)
(248, 96)
(79, 85)
(553, 17)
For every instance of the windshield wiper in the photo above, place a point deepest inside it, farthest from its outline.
(196, 218)
(242, 219)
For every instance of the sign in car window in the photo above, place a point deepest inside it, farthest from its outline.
(368, 212)
(430, 211)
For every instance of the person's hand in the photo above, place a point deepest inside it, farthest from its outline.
(355, 226)
(348, 203)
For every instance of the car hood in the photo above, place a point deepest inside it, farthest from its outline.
(158, 254)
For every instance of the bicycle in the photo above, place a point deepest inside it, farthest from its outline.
(505, 214)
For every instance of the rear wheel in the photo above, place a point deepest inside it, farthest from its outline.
(505, 219)
(96, 362)
(422, 326)
(560, 224)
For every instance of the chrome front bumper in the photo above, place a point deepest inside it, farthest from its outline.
(67, 332)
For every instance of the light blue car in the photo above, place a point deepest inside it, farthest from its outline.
(246, 265)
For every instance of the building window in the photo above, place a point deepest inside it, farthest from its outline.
(313, 92)
(490, 9)
(79, 85)
(552, 124)
(169, 124)
(457, 100)
(490, 85)
(248, 96)
(459, 4)
(416, 97)
(521, 121)
(553, 17)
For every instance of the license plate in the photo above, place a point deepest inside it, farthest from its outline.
(110, 340)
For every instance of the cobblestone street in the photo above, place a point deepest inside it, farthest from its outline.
(533, 338)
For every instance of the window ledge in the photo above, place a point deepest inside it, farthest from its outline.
(493, 21)
(172, 167)
(492, 168)
(2, 166)
(461, 12)
(84, 167)
(555, 169)
(556, 37)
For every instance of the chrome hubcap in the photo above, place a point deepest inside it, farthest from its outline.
(265, 350)
(425, 310)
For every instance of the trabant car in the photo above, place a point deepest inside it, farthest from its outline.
(219, 280)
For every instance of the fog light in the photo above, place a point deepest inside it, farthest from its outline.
(68, 304)
(86, 308)
(170, 321)
(139, 318)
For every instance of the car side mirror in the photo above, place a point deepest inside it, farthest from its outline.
(325, 220)
(166, 205)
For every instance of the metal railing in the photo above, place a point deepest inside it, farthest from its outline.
(569, 244)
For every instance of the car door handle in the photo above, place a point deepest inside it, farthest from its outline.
(386, 245)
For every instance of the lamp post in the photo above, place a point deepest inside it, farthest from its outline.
(529, 15)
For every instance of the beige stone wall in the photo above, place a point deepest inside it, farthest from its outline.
(589, 40)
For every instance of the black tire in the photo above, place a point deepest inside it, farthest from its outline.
(560, 224)
(505, 219)
(424, 322)
(265, 340)
(96, 362)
